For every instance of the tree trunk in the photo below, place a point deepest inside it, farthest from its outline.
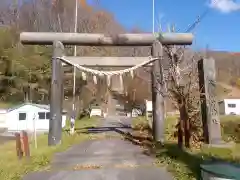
(186, 128)
(185, 124)
(180, 126)
(180, 133)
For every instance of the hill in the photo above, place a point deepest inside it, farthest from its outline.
(25, 71)
(228, 73)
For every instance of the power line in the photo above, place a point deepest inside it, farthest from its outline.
(153, 16)
(200, 17)
(199, 20)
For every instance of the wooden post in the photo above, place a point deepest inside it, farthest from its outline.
(25, 141)
(157, 98)
(55, 122)
(19, 146)
(209, 104)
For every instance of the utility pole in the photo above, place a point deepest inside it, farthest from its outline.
(153, 16)
(74, 73)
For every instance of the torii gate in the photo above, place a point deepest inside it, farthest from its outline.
(58, 40)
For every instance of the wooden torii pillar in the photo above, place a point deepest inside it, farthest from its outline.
(85, 39)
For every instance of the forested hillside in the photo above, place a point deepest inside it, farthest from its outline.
(25, 70)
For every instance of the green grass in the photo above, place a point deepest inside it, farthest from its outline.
(230, 118)
(80, 124)
(13, 169)
(231, 128)
(184, 164)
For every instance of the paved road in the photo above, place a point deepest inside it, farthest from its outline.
(113, 159)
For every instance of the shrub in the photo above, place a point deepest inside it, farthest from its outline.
(231, 131)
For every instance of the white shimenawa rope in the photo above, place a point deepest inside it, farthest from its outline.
(109, 73)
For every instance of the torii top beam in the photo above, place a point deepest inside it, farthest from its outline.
(87, 39)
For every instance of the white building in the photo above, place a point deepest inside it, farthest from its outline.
(3, 113)
(27, 116)
(229, 107)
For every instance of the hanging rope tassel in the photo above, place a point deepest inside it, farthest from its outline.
(108, 80)
(121, 81)
(132, 74)
(95, 79)
(84, 76)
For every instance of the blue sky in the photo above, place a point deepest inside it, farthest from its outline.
(220, 29)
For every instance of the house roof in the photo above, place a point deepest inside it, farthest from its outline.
(3, 111)
(222, 100)
(41, 106)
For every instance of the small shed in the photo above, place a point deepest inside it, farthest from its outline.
(229, 107)
(29, 116)
(149, 112)
(148, 105)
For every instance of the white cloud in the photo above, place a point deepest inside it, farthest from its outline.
(225, 6)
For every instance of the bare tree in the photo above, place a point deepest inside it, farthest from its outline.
(182, 87)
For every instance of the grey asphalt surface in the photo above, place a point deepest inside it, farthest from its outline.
(117, 159)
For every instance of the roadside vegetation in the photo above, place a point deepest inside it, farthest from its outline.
(13, 168)
(184, 163)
